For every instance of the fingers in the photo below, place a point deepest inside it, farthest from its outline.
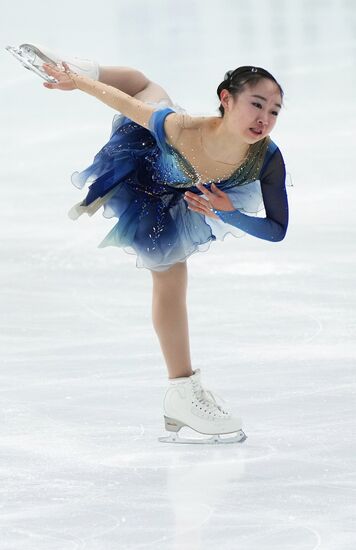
(196, 208)
(50, 69)
(199, 204)
(203, 189)
(209, 194)
(194, 199)
(56, 72)
(200, 198)
(217, 191)
(68, 70)
(203, 211)
(64, 80)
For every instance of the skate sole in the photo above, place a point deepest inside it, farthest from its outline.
(173, 426)
(240, 437)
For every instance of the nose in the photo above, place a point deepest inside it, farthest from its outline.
(263, 119)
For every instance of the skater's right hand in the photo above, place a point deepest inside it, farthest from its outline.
(64, 80)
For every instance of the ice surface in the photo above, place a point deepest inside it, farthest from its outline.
(272, 324)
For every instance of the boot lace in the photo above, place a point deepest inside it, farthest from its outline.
(208, 400)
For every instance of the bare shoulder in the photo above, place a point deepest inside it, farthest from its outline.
(177, 124)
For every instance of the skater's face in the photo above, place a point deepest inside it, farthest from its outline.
(253, 113)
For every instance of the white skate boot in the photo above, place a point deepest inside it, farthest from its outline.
(32, 57)
(186, 403)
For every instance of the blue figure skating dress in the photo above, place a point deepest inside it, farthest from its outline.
(140, 179)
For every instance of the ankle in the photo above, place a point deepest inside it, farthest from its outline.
(186, 373)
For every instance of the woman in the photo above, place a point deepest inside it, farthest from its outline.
(176, 182)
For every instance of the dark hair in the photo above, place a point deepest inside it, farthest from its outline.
(235, 81)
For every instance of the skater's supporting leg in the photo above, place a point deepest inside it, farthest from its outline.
(133, 82)
(170, 318)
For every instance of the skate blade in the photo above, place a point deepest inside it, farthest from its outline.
(76, 211)
(32, 52)
(28, 65)
(240, 437)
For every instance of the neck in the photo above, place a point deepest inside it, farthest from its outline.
(222, 143)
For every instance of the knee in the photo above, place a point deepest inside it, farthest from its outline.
(153, 92)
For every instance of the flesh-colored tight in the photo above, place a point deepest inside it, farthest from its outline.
(169, 288)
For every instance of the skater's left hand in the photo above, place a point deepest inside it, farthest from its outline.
(217, 200)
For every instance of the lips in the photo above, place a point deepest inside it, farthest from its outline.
(256, 131)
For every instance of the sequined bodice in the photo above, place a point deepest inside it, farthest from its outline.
(172, 168)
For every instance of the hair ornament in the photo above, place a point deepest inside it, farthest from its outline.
(241, 70)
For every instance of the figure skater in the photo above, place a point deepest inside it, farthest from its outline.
(176, 182)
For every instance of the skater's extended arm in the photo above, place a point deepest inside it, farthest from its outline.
(131, 107)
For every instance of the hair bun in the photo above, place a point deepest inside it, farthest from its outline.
(228, 75)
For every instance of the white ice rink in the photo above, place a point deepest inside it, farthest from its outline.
(272, 324)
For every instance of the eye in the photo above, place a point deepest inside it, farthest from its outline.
(259, 106)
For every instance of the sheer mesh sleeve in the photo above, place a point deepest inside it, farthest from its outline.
(274, 226)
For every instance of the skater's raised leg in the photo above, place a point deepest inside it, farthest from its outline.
(170, 318)
(133, 82)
